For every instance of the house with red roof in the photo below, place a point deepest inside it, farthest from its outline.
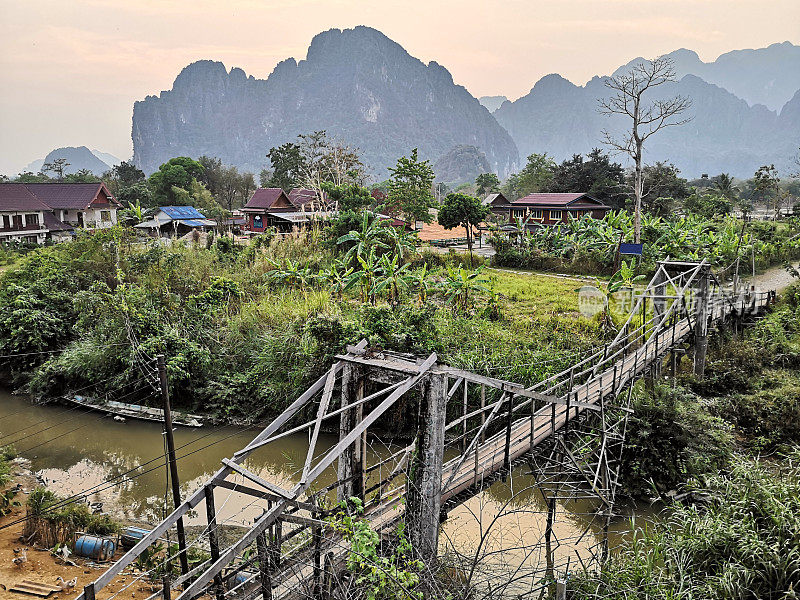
(547, 208)
(21, 215)
(263, 204)
(89, 205)
(272, 207)
(37, 212)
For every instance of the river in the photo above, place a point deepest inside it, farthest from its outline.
(72, 450)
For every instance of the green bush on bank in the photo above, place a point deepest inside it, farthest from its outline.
(247, 328)
(738, 538)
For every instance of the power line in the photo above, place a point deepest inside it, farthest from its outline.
(22, 354)
(122, 478)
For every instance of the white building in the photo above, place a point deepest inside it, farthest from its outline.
(36, 212)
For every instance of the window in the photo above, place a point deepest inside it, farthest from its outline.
(6, 222)
(32, 219)
(555, 215)
(518, 212)
(258, 222)
(17, 221)
(536, 214)
(105, 216)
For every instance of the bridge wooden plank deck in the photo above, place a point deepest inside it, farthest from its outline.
(532, 416)
(472, 473)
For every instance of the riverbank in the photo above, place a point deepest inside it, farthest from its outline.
(42, 566)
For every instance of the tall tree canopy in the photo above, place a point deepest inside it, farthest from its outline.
(348, 197)
(288, 166)
(129, 185)
(411, 187)
(177, 172)
(664, 189)
(535, 176)
(487, 182)
(461, 210)
(596, 175)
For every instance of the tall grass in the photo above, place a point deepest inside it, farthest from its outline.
(737, 538)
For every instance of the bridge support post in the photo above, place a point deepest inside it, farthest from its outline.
(423, 498)
(213, 538)
(701, 324)
(351, 463)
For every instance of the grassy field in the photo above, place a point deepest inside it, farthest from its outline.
(246, 329)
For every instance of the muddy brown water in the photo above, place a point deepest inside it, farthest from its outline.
(72, 450)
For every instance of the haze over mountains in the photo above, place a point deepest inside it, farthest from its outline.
(357, 84)
(79, 158)
(366, 90)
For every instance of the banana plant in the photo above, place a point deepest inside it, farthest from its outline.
(366, 239)
(293, 274)
(422, 284)
(460, 285)
(336, 276)
(402, 241)
(365, 277)
(392, 278)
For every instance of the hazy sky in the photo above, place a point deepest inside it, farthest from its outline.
(71, 69)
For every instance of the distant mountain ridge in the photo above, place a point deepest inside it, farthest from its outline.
(79, 158)
(366, 90)
(492, 103)
(725, 133)
(768, 76)
(357, 84)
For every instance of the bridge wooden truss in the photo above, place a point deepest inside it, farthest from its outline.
(484, 425)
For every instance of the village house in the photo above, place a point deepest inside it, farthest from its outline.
(272, 207)
(176, 221)
(89, 205)
(546, 209)
(21, 215)
(38, 212)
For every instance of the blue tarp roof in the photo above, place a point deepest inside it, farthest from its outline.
(194, 223)
(182, 212)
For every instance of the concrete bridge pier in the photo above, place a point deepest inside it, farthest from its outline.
(424, 483)
(351, 461)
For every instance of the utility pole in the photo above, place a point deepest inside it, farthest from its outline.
(173, 464)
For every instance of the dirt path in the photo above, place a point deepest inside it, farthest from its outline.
(774, 278)
(43, 567)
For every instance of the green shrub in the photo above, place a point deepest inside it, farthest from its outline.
(671, 438)
(738, 539)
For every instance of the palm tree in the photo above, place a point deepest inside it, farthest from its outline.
(723, 183)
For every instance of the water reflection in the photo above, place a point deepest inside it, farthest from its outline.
(72, 450)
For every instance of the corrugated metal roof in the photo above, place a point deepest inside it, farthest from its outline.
(301, 216)
(182, 212)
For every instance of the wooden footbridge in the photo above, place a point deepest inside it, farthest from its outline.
(471, 429)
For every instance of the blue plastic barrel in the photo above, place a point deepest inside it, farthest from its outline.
(243, 576)
(98, 548)
(132, 536)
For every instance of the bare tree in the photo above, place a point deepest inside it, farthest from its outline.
(647, 116)
(327, 159)
(58, 166)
